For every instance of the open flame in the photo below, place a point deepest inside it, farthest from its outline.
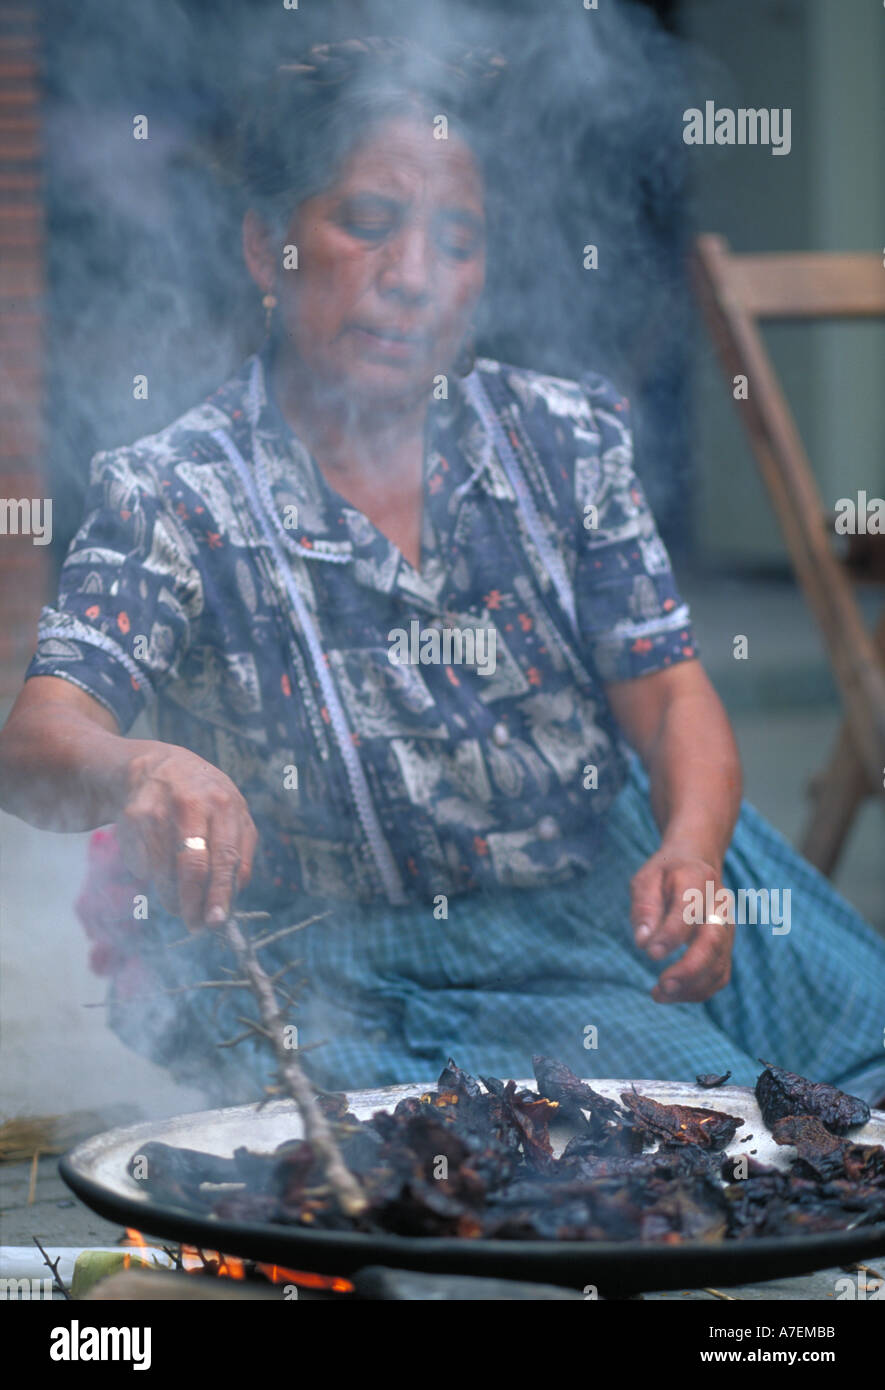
(331, 1283)
(195, 1260)
(136, 1241)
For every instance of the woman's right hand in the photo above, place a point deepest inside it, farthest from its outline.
(65, 766)
(171, 796)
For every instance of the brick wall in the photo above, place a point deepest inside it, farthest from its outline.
(24, 566)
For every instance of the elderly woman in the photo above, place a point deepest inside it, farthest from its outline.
(397, 615)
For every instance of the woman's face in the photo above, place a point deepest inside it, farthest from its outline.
(391, 262)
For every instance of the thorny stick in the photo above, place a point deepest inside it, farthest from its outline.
(316, 1128)
(237, 1039)
(53, 1265)
(254, 1027)
(263, 941)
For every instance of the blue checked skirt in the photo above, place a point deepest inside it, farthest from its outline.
(393, 991)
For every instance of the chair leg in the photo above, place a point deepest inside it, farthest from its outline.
(837, 791)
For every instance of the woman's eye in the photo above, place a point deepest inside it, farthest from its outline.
(457, 247)
(456, 236)
(369, 220)
(369, 229)
(459, 239)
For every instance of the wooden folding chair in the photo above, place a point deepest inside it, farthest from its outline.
(736, 292)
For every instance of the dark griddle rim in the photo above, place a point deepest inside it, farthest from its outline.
(622, 1267)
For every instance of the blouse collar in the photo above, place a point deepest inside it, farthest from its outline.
(316, 523)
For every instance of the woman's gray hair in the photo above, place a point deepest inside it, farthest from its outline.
(302, 123)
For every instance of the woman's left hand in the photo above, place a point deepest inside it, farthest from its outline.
(659, 896)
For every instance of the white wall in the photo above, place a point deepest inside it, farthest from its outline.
(825, 60)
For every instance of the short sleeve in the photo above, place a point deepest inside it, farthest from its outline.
(129, 592)
(629, 609)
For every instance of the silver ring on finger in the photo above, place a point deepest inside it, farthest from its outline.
(193, 842)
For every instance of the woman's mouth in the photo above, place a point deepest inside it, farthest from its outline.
(390, 342)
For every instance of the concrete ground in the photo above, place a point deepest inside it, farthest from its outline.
(57, 1056)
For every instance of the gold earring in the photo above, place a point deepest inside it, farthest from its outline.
(269, 303)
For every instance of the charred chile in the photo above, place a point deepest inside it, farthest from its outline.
(781, 1093)
(468, 1162)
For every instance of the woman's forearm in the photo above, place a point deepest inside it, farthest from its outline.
(695, 775)
(677, 724)
(60, 770)
(182, 824)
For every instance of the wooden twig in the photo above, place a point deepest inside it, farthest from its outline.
(53, 1265)
(287, 998)
(284, 970)
(262, 941)
(177, 989)
(200, 984)
(255, 1027)
(316, 1128)
(239, 1038)
(198, 935)
(32, 1185)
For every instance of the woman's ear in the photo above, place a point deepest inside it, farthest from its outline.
(258, 251)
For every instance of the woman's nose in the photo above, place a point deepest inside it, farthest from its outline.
(408, 268)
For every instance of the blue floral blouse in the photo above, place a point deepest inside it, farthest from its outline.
(397, 733)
